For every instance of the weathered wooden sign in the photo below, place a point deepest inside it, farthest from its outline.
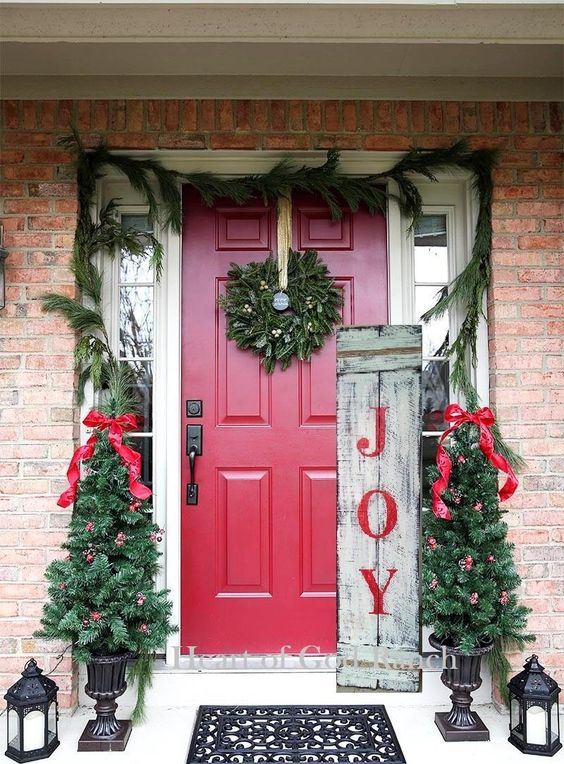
(379, 485)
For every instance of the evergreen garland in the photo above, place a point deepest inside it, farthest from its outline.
(336, 189)
(255, 325)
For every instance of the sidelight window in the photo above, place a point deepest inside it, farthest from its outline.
(136, 341)
(433, 269)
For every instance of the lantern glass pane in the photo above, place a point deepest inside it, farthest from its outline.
(537, 723)
(554, 723)
(14, 730)
(34, 730)
(52, 722)
(516, 720)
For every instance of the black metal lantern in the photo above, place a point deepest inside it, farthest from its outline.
(534, 725)
(32, 715)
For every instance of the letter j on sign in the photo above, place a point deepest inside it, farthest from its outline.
(379, 506)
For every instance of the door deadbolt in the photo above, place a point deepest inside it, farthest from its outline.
(194, 408)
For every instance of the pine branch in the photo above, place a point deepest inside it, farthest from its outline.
(499, 666)
(140, 673)
(120, 383)
(79, 318)
(87, 276)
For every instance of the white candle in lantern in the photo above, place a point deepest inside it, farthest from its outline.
(536, 725)
(34, 730)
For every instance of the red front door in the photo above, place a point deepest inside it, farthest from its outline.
(258, 550)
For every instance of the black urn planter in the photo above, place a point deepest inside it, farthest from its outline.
(106, 682)
(462, 676)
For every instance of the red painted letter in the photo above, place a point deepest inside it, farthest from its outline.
(377, 593)
(380, 434)
(391, 514)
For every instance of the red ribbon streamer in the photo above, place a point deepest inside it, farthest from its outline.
(483, 419)
(132, 459)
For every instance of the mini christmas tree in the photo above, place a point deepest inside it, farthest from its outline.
(102, 596)
(469, 576)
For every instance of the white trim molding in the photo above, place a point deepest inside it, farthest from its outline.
(270, 22)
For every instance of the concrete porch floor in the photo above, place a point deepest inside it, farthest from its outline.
(165, 737)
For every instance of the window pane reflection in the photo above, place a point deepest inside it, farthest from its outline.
(143, 393)
(135, 269)
(435, 332)
(431, 253)
(435, 395)
(144, 445)
(136, 321)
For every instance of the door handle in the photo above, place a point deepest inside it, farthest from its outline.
(192, 492)
(192, 461)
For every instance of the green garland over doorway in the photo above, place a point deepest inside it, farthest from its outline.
(95, 359)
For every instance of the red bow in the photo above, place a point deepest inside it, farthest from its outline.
(132, 459)
(483, 419)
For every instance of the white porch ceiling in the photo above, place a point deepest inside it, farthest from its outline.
(447, 50)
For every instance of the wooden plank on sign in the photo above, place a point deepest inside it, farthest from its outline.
(379, 507)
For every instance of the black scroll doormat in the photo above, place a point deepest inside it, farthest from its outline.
(293, 735)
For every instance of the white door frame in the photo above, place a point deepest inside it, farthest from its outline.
(167, 405)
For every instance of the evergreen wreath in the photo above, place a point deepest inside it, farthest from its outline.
(254, 324)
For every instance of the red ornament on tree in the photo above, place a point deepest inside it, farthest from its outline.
(432, 542)
(121, 538)
(466, 563)
(96, 616)
(474, 598)
(461, 459)
(89, 555)
(62, 585)
(144, 629)
(434, 583)
(478, 506)
(504, 598)
(86, 623)
(89, 526)
(490, 559)
(140, 598)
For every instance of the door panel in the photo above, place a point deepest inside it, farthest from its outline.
(258, 550)
(318, 549)
(243, 550)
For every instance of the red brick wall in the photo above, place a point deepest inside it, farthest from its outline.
(38, 422)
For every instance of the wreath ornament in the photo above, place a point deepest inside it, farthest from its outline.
(281, 308)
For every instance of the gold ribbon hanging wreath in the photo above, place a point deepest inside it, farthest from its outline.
(283, 308)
